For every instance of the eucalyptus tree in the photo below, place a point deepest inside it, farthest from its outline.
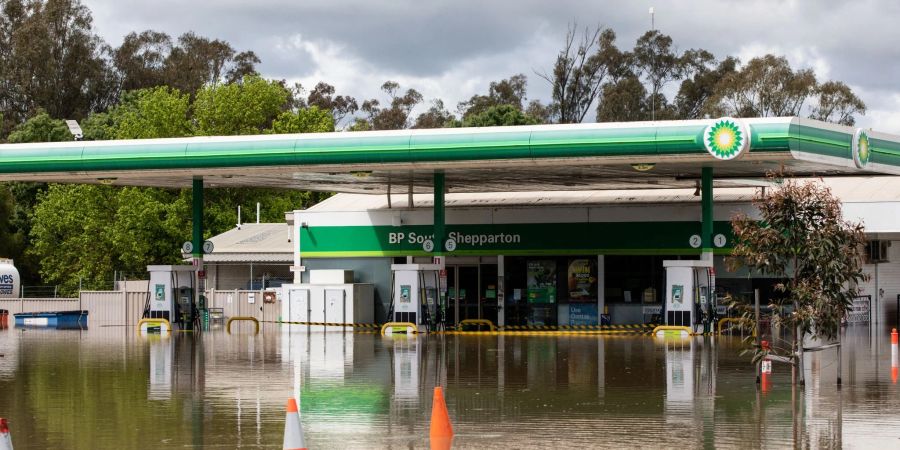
(580, 71)
(394, 116)
(801, 238)
(510, 91)
(837, 103)
(51, 59)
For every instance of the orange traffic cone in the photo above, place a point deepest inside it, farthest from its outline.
(293, 432)
(5, 437)
(895, 360)
(441, 429)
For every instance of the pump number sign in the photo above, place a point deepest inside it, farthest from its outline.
(695, 241)
(720, 240)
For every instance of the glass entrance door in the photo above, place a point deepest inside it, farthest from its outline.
(462, 283)
(472, 290)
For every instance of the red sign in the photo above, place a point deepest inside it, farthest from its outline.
(201, 274)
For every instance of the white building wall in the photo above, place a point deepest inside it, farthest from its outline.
(884, 286)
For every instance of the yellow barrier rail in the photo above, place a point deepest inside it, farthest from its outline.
(666, 329)
(239, 318)
(154, 322)
(737, 320)
(619, 333)
(410, 327)
(478, 322)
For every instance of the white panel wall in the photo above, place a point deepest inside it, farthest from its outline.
(884, 294)
(535, 214)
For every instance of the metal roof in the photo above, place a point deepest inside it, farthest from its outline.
(871, 189)
(541, 157)
(256, 242)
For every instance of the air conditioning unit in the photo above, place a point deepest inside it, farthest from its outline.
(877, 251)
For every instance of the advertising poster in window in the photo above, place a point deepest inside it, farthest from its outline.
(582, 280)
(541, 281)
(583, 314)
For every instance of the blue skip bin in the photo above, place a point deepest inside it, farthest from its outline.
(61, 320)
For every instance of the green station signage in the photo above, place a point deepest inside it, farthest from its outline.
(639, 238)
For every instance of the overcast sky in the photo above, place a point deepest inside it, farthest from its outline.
(452, 49)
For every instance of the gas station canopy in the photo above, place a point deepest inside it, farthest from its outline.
(632, 155)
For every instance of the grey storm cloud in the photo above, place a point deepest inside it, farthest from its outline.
(855, 42)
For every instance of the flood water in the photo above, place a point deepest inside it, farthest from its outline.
(109, 388)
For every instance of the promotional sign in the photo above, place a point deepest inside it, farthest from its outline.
(583, 314)
(582, 279)
(541, 281)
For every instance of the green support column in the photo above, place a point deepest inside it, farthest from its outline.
(197, 222)
(706, 201)
(439, 216)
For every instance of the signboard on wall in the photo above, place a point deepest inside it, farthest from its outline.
(541, 281)
(668, 238)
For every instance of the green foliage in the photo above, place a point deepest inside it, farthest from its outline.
(10, 239)
(159, 112)
(40, 128)
(249, 107)
(20, 197)
(624, 101)
(51, 59)
(322, 96)
(71, 235)
(766, 87)
(837, 104)
(502, 115)
(802, 238)
(436, 117)
(151, 58)
(510, 91)
(309, 120)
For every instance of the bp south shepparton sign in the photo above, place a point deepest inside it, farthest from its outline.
(663, 238)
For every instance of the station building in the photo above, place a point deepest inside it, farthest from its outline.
(551, 258)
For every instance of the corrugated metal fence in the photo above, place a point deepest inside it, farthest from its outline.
(17, 305)
(105, 307)
(126, 308)
(238, 303)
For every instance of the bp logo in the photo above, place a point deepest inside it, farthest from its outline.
(726, 138)
(861, 148)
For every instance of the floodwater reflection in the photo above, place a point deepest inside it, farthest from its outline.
(108, 388)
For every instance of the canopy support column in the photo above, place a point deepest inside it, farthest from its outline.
(197, 237)
(706, 206)
(197, 222)
(439, 216)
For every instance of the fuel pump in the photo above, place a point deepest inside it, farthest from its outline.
(415, 296)
(690, 294)
(171, 295)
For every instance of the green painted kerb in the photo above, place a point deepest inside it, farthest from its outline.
(197, 222)
(639, 238)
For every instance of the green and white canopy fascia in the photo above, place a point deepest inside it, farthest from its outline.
(625, 155)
